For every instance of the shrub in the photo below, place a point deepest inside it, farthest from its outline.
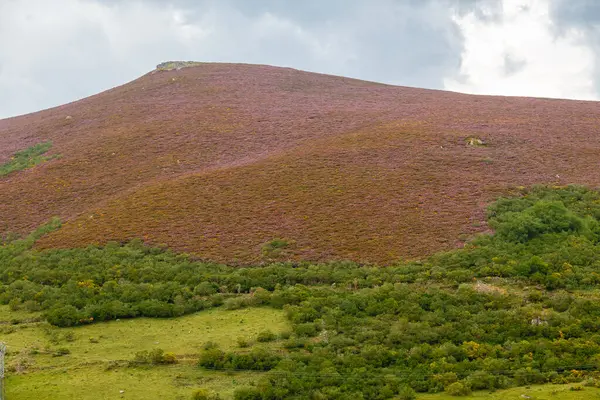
(480, 380)
(535, 296)
(154, 357)
(205, 289)
(458, 389)
(111, 310)
(242, 342)
(32, 306)
(261, 296)
(285, 335)
(14, 304)
(203, 394)
(62, 351)
(21, 364)
(275, 248)
(216, 300)
(591, 382)
(527, 376)
(446, 379)
(295, 343)
(65, 316)
(200, 394)
(308, 329)
(169, 358)
(155, 308)
(210, 345)
(235, 303)
(141, 357)
(247, 393)
(266, 336)
(540, 218)
(406, 393)
(212, 358)
(258, 360)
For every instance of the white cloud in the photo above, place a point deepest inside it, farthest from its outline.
(519, 54)
(53, 52)
(56, 52)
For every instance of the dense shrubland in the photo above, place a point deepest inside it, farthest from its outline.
(514, 308)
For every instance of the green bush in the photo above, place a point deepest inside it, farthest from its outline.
(406, 393)
(210, 345)
(275, 248)
(200, 394)
(285, 335)
(169, 358)
(247, 393)
(212, 359)
(65, 316)
(458, 389)
(235, 303)
(205, 289)
(258, 359)
(481, 380)
(539, 218)
(203, 394)
(154, 357)
(266, 336)
(307, 329)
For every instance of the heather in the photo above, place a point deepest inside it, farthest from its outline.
(512, 308)
(217, 160)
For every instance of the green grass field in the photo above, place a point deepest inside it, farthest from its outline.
(83, 373)
(536, 392)
(94, 382)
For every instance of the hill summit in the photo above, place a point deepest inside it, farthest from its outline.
(247, 163)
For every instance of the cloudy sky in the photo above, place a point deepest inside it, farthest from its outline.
(53, 52)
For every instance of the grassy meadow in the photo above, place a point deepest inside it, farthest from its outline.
(536, 392)
(34, 371)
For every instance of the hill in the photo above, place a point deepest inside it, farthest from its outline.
(220, 159)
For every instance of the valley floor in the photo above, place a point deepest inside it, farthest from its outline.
(91, 369)
(86, 373)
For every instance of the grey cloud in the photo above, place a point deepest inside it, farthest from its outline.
(485, 10)
(583, 16)
(77, 48)
(579, 13)
(513, 65)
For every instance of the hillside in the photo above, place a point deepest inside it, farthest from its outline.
(517, 312)
(219, 159)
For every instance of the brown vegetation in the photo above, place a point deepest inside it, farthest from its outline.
(219, 159)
